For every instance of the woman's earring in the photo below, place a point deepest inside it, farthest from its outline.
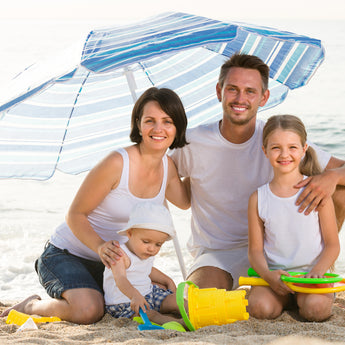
(140, 133)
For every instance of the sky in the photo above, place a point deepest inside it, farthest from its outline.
(137, 9)
(23, 41)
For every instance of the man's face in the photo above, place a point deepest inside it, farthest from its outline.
(241, 95)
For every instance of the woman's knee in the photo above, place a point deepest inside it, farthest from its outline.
(87, 306)
(91, 312)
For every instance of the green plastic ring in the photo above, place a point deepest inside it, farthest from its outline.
(330, 278)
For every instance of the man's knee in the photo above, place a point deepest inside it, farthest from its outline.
(211, 277)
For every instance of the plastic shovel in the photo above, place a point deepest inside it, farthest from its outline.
(147, 325)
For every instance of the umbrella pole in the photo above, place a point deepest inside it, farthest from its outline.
(178, 251)
(131, 83)
(180, 257)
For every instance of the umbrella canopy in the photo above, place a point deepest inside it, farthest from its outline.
(73, 116)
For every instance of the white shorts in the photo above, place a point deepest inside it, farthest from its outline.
(234, 261)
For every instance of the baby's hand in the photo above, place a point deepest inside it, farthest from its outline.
(139, 301)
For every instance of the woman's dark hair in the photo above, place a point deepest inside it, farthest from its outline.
(171, 104)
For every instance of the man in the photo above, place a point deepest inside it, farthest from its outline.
(224, 164)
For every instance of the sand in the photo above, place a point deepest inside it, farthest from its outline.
(286, 329)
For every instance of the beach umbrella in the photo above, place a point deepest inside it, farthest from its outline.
(67, 114)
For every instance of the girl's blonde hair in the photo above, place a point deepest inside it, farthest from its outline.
(309, 164)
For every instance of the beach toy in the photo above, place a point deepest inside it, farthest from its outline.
(172, 325)
(147, 325)
(29, 324)
(211, 306)
(299, 277)
(18, 318)
(298, 283)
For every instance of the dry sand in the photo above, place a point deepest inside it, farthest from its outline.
(287, 329)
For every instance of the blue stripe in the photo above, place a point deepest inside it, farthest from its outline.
(70, 122)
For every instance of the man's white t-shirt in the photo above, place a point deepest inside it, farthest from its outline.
(223, 175)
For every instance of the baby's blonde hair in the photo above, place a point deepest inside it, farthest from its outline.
(309, 164)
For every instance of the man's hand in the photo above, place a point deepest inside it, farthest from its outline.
(317, 190)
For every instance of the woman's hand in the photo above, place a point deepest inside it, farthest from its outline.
(110, 252)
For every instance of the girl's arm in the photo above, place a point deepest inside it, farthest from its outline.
(330, 237)
(162, 279)
(256, 249)
(125, 286)
(98, 183)
(177, 191)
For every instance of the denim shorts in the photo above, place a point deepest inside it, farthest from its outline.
(154, 299)
(58, 271)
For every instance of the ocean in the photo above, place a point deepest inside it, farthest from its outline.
(30, 210)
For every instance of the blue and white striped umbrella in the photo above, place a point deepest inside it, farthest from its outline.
(74, 118)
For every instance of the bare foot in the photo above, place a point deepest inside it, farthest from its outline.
(20, 306)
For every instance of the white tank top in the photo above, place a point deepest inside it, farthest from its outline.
(138, 274)
(292, 240)
(110, 216)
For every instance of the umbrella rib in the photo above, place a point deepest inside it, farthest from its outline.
(69, 119)
(148, 76)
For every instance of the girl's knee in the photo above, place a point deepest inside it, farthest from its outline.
(316, 312)
(316, 309)
(264, 310)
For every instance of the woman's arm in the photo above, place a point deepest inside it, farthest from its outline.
(98, 183)
(256, 249)
(177, 191)
(330, 238)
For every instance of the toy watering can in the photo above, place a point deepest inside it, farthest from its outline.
(211, 306)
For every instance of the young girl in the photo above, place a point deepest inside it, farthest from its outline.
(128, 284)
(281, 239)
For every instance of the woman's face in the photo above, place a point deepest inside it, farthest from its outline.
(157, 128)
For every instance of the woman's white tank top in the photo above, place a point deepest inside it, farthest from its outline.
(110, 216)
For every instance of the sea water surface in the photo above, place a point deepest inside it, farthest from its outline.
(30, 210)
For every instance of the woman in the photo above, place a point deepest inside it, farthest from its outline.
(71, 266)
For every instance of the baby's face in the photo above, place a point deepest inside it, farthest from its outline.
(145, 242)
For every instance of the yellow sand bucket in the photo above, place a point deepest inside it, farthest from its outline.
(211, 306)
